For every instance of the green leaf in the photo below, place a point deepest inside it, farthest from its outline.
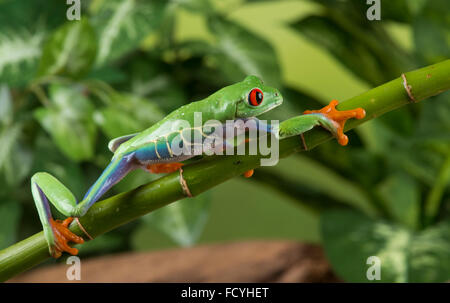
(401, 196)
(114, 122)
(108, 74)
(19, 54)
(8, 138)
(49, 159)
(122, 25)
(69, 121)
(242, 53)
(343, 45)
(183, 221)
(416, 6)
(15, 158)
(201, 6)
(433, 121)
(29, 15)
(9, 223)
(317, 177)
(150, 78)
(126, 115)
(405, 256)
(431, 40)
(6, 109)
(70, 51)
(432, 31)
(19, 165)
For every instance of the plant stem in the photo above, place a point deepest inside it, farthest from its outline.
(201, 176)
(434, 198)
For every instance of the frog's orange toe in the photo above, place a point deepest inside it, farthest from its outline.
(249, 173)
(164, 168)
(339, 118)
(62, 236)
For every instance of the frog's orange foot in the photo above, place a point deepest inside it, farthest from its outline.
(339, 118)
(249, 173)
(62, 236)
(164, 168)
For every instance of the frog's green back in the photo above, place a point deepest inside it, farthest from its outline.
(228, 103)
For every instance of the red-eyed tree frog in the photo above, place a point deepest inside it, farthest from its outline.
(151, 150)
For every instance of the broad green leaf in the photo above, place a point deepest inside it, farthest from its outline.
(350, 239)
(343, 45)
(69, 121)
(70, 51)
(122, 25)
(242, 53)
(29, 15)
(19, 54)
(115, 122)
(151, 78)
(19, 165)
(431, 40)
(401, 196)
(322, 179)
(356, 9)
(184, 220)
(108, 74)
(126, 115)
(48, 158)
(433, 121)
(432, 31)
(202, 6)
(9, 222)
(12, 155)
(416, 6)
(15, 157)
(6, 110)
(24, 25)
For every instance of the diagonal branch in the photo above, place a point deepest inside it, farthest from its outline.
(199, 177)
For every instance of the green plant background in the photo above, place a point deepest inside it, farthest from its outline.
(67, 88)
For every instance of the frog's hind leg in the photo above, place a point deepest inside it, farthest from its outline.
(57, 233)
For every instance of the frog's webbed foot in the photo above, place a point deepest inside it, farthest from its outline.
(164, 168)
(62, 235)
(338, 118)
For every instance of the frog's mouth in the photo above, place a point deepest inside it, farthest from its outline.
(277, 103)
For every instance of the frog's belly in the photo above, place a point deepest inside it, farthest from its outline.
(162, 152)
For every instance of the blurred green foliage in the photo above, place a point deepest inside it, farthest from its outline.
(68, 87)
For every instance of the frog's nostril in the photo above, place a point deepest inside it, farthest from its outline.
(276, 94)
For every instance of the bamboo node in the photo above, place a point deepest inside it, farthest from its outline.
(83, 229)
(408, 89)
(184, 185)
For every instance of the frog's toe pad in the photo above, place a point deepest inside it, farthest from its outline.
(339, 118)
(62, 236)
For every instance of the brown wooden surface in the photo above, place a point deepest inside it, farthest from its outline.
(268, 261)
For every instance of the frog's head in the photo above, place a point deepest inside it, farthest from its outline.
(256, 98)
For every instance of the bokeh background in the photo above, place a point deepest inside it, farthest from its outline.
(68, 87)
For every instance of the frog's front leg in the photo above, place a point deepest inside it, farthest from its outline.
(328, 117)
(46, 188)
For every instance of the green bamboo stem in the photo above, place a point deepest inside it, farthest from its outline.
(125, 207)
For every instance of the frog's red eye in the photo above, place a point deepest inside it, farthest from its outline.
(255, 97)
